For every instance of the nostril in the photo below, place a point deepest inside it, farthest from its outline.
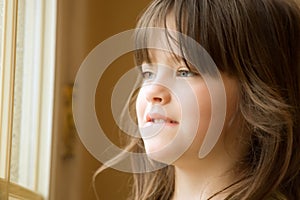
(157, 94)
(157, 99)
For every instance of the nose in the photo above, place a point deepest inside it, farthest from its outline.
(157, 94)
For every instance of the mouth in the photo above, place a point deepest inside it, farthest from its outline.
(154, 118)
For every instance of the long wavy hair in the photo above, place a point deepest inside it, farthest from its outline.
(258, 43)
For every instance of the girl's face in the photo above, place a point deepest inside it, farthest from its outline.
(174, 108)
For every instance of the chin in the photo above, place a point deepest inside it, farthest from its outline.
(168, 153)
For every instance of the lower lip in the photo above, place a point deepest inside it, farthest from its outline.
(163, 123)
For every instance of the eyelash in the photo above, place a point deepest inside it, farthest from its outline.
(187, 73)
(147, 75)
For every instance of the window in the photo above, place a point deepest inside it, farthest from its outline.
(1, 23)
(27, 32)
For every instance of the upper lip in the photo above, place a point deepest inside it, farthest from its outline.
(155, 116)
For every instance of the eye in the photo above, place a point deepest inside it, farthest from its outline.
(147, 71)
(185, 72)
(147, 75)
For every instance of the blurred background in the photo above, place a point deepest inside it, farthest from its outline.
(81, 25)
(43, 44)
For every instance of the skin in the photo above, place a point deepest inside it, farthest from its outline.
(194, 178)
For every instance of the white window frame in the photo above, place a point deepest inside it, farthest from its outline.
(45, 90)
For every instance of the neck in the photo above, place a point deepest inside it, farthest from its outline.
(201, 179)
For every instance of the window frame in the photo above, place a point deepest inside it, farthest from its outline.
(45, 108)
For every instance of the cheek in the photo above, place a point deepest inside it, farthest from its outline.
(140, 105)
(204, 106)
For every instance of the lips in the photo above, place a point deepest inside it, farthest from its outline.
(156, 118)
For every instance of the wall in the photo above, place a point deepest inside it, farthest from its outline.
(83, 24)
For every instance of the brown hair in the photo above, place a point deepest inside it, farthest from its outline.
(258, 43)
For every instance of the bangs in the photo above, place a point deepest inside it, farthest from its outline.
(179, 34)
(155, 16)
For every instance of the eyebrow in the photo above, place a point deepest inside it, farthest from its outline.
(170, 55)
(181, 60)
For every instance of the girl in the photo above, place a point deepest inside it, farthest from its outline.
(255, 45)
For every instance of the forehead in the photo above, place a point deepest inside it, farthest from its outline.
(155, 54)
(163, 56)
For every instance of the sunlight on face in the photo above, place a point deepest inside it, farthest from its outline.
(174, 116)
